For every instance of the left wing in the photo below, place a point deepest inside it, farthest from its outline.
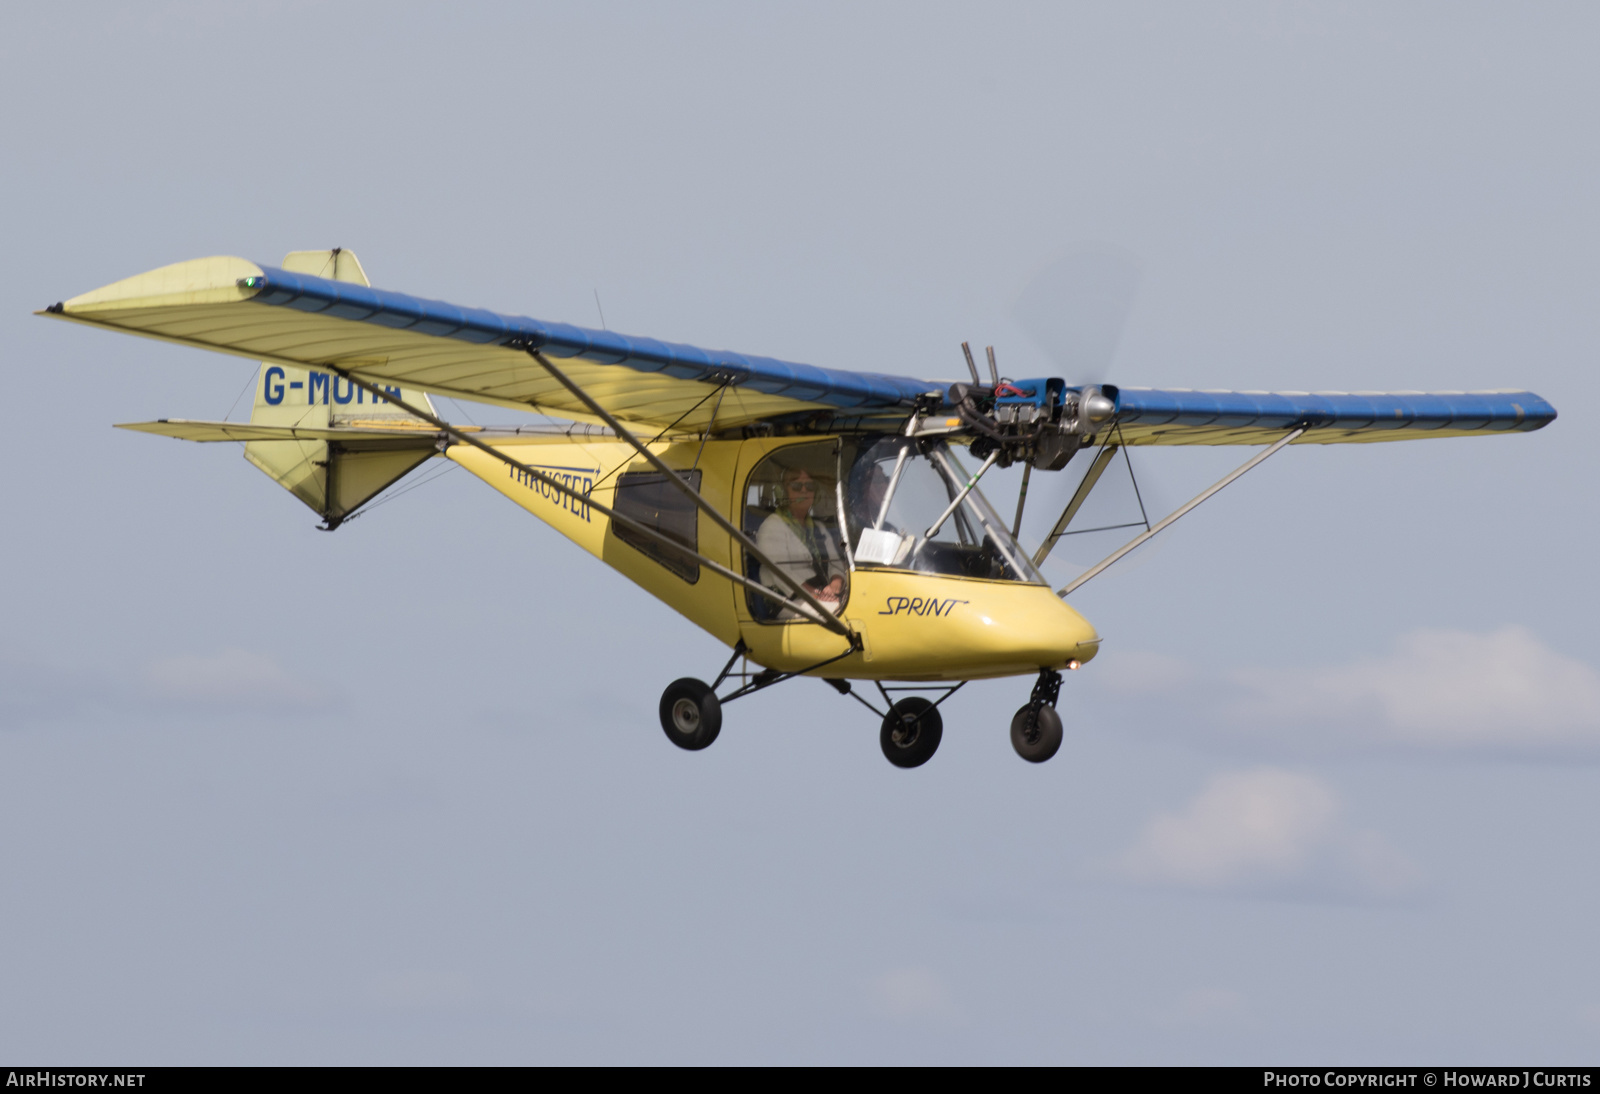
(264, 313)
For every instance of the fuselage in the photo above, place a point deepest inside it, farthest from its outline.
(911, 625)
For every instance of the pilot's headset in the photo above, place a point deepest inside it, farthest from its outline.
(786, 481)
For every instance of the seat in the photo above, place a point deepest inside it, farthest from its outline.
(762, 609)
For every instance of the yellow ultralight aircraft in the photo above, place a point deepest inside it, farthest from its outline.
(820, 522)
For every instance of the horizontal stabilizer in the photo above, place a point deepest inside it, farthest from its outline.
(421, 435)
(185, 429)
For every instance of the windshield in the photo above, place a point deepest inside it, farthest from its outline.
(913, 506)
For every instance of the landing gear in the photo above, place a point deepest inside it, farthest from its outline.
(912, 727)
(691, 714)
(911, 732)
(691, 710)
(1036, 728)
(1036, 734)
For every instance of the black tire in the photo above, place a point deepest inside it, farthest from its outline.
(691, 714)
(911, 732)
(1036, 737)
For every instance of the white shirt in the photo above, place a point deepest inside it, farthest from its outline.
(780, 541)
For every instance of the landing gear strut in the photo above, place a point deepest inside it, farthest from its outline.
(691, 710)
(1036, 728)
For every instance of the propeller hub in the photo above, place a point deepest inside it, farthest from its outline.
(1097, 408)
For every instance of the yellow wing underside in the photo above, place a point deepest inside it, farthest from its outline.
(200, 304)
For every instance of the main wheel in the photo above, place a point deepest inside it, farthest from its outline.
(1036, 735)
(691, 714)
(911, 732)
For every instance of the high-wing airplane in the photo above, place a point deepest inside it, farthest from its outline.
(819, 522)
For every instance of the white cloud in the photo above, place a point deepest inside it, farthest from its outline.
(911, 993)
(1269, 831)
(233, 678)
(1504, 691)
(1449, 688)
(1242, 824)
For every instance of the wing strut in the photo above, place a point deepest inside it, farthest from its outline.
(1099, 567)
(1022, 499)
(933, 530)
(559, 487)
(1102, 460)
(818, 610)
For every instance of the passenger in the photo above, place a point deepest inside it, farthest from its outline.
(869, 499)
(799, 545)
(878, 544)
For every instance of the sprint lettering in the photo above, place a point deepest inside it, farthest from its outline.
(919, 605)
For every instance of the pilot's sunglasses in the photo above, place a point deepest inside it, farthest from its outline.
(804, 487)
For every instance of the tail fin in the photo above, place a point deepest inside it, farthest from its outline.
(334, 478)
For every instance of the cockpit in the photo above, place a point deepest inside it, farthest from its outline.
(820, 511)
(917, 508)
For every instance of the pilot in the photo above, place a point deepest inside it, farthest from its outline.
(799, 545)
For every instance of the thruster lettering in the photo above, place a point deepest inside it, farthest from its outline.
(573, 478)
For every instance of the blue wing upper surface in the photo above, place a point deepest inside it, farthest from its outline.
(237, 307)
(1155, 416)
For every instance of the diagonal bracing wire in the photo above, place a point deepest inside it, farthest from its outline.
(718, 393)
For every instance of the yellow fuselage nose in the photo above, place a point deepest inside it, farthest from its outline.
(935, 627)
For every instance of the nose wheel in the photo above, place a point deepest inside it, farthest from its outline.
(911, 732)
(1036, 728)
(1036, 734)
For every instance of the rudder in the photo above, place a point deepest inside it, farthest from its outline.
(333, 478)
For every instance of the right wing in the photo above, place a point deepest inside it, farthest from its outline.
(1148, 416)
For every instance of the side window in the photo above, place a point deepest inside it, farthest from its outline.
(647, 497)
(791, 510)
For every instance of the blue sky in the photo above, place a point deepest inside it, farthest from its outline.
(397, 794)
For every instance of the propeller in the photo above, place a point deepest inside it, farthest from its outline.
(1075, 310)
